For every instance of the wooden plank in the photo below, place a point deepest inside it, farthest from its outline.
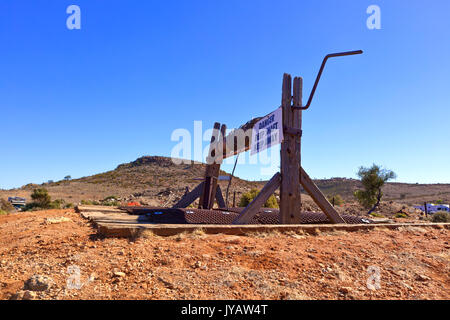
(253, 207)
(187, 199)
(89, 208)
(130, 230)
(290, 201)
(219, 198)
(319, 198)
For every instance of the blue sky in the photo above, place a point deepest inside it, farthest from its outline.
(80, 102)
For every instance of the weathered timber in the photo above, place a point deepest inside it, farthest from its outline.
(187, 199)
(253, 207)
(237, 141)
(206, 192)
(319, 198)
(290, 201)
(219, 198)
(134, 230)
(214, 168)
(92, 208)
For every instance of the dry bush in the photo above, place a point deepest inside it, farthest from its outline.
(441, 217)
(6, 206)
(263, 234)
(298, 234)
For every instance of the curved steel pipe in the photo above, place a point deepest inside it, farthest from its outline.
(331, 55)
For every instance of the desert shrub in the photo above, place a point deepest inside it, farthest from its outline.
(90, 202)
(249, 196)
(441, 216)
(6, 206)
(3, 212)
(111, 201)
(41, 198)
(68, 205)
(401, 215)
(57, 204)
(337, 200)
(376, 215)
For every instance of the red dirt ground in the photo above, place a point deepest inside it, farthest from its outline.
(413, 263)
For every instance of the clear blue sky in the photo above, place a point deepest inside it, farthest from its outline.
(79, 102)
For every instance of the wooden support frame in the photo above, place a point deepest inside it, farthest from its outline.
(290, 179)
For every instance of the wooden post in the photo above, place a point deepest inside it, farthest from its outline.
(290, 201)
(215, 169)
(205, 196)
(234, 199)
(426, 209)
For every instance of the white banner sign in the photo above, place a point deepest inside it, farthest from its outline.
(267, 132)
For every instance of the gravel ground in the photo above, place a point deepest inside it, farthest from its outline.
(55, 254)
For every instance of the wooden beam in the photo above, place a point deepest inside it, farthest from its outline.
(253, 207)
(243, 143)
(219, 198)
(290, 201)
(319, 198)
(187, 199)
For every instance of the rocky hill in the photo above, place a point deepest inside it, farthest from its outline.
(157, 180)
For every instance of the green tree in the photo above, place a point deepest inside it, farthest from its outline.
(41, 198)
(372, 179)
(249, 196)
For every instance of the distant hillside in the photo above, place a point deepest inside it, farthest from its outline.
(148, 178)
(157, 180)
